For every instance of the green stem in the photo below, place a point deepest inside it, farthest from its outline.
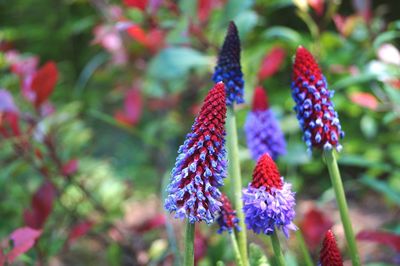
(342, 204)
(277, 249)
(238, 257)
(188, 259)
(234, 173)
(306, 254)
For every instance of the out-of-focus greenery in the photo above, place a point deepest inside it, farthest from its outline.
(119, 163)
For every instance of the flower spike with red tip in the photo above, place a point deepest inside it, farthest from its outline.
(228, 68)
(227, 219)
(315, 111)
(330, 254)
(263, 133)
(201, 165)
(268, 200)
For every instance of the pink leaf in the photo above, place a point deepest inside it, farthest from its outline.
(79, 230)
(70, 167)
(271, 63)
(23, 239)
(139, 4)
(384, 238)
(364, 99)
(44, 81)
(314, 226)
(42, 205)
(317, 6)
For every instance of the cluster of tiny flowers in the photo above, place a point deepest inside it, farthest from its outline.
(268, 202)
(201, 165)
(330, 254)
(315, 111)
(228, 68)
(263, 133)
(227, 219)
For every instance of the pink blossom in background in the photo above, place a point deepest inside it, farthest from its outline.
(317, 6)
(132, 110)
(389, 54)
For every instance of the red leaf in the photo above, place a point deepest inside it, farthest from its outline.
(23, 239)
(271, 63)
(317, 6)
(205, 7)
(138, 34)
(79, 230)
(364, 99)
(42, 205)
(44, 82)
(314, 226)
(70, 167)
(153, 223)
(384, 238)
(133, 105)
(139, 4)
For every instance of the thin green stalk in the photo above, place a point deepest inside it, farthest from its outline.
(234, 173)
(235, 246)
(188, 258)
(342, 204)
(277, 249)
(303, 247)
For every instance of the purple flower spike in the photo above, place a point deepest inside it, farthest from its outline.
(228, 68)
(268, 202)
(201, 165)
(315, 111)
(227, 219)
(263, 133)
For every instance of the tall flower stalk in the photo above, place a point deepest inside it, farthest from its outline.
(229, 71)
(193, 192)
(322, 130)
(269, 203)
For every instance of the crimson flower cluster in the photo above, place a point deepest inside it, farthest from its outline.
(315, 111)
(201, 165)
(330, 254)
(227, 219)
(268, 202)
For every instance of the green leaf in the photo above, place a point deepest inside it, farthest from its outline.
(175, 62)
(352, 80)
(382, 187)
(283, 33)
(246, 21)
(360, 161)
(257, 256)
(368, 126)
(385, 37)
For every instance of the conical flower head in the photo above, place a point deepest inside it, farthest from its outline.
(268, 202)
(228, 68)
(227, 219)
(263, 133)
(201, 165)
(330, 254)
(315, 111)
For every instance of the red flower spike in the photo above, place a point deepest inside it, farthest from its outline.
(266, 174)
(260, 100)
(330, 254)
(305, 62)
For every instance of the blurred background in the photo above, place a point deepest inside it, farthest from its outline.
(96, 96)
